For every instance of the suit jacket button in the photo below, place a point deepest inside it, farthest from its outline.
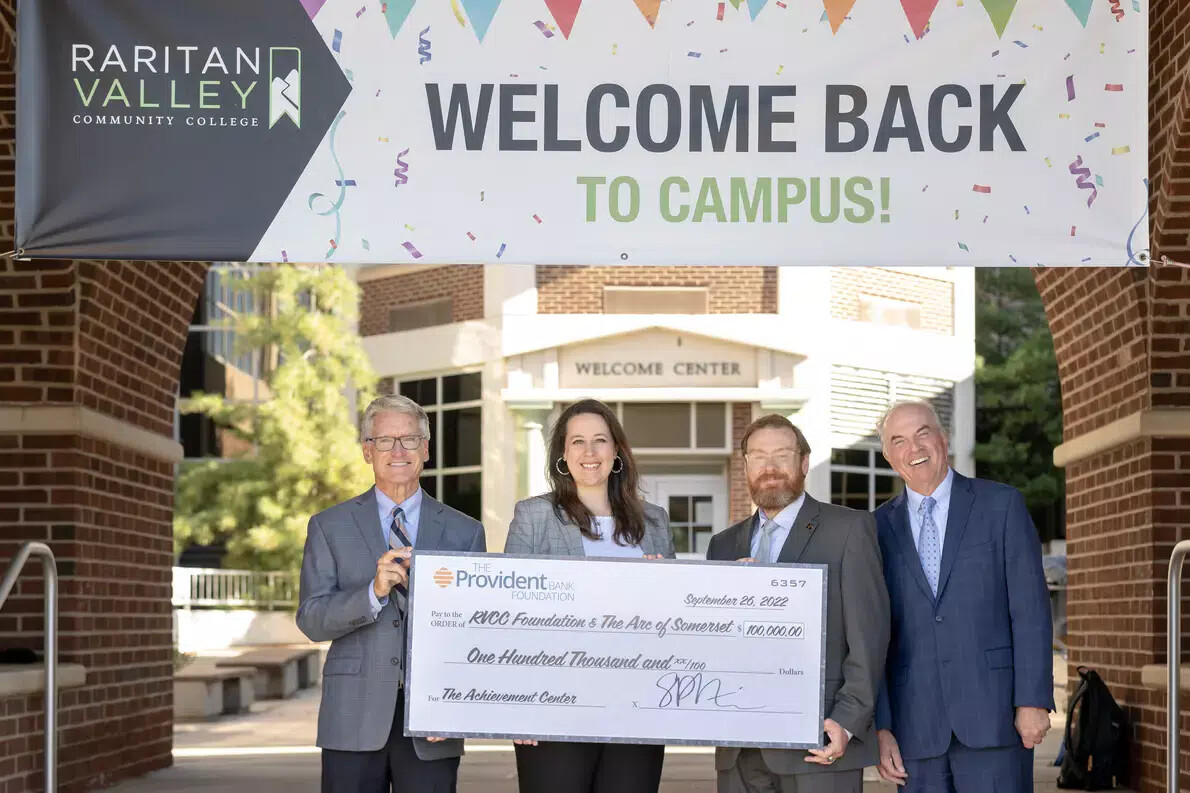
(396, 623)
(395, 661)
(937, 619)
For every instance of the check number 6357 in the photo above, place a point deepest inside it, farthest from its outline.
(788, 582)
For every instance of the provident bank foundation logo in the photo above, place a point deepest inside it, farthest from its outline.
(518, 585)
(184, 85)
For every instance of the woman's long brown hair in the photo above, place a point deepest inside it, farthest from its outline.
(623, 487)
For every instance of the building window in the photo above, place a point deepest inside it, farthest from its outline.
(656, 299)
(454, 473)
(885, 311)
(691, 522)
(211, 364)
(672, 426)
(862, 479)
(412, 316)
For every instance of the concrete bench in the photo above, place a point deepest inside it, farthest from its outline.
(206, 692)
(280, 671)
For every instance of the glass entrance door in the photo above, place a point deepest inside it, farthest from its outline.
(697, 508)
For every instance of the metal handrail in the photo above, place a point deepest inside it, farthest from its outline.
(1173, 629)
(50, 569)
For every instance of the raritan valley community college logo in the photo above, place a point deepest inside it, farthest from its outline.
(443, 577)
(185, 86)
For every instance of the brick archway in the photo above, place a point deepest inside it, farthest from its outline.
(89, 358)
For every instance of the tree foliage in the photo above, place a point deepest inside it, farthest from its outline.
(303, 439)
(1018, 401)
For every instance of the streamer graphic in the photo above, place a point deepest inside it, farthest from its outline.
(423, 47)
(401, 170)
(337, 204)
(1083, 178)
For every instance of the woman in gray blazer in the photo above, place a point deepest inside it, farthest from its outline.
(593, 509)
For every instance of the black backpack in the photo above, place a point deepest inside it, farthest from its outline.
(1096, 747)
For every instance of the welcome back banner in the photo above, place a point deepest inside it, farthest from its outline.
(957, 132)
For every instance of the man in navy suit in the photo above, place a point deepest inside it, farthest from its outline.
(969, 676)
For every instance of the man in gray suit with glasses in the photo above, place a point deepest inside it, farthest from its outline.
(353, 594)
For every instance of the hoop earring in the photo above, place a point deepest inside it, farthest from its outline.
(621, 468)
(558, 467)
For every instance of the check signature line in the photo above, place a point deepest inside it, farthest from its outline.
(723, 710)
(615, 669)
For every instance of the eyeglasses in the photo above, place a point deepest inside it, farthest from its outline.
(777, 460)
(386, 443)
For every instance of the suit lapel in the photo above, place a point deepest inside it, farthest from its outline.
(743, 538)
(904, 535)
(431, 524)
(367, 519)
(801, 531)
(961, 500)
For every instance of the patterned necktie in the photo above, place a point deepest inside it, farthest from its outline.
(928, 546)
(397, 539)
(765, 552)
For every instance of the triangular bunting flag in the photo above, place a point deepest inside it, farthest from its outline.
(480, 12)
(564, 12)
(650, 8)
(754, 7)
(836, 10)
(396, 11)
(918, 13)
(1081, 9)
(1000, 12)
(736, 3)
(312, 6)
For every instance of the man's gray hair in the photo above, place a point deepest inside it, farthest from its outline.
(393, 403)
(900, 403)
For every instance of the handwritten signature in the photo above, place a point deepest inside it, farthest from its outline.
(678, 690)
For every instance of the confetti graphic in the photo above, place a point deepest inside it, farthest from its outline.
(549, 34)
(1121, 149)
(981, 188)
(414, 252)
(345, 183)
(1070, 88)
(360, 12)
(401, 170)
(1113, 87)
(337, 41)
(500, 252)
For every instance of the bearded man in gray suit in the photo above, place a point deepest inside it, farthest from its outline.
(791, 526)
(353, 593)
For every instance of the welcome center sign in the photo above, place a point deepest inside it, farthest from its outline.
(983, 132)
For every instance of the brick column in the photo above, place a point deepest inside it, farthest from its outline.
(1122, 339)
(739, 504)
(89, 358)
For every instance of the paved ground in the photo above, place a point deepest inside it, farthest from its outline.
(270, 750)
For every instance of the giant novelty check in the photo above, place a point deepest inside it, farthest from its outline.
(616, 650)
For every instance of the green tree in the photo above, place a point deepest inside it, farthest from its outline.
(1018, 401)
(303, 440)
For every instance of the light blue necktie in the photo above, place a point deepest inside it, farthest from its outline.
(928, 546)
(764, 553)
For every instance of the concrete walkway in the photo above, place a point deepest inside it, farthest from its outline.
(271, 750)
